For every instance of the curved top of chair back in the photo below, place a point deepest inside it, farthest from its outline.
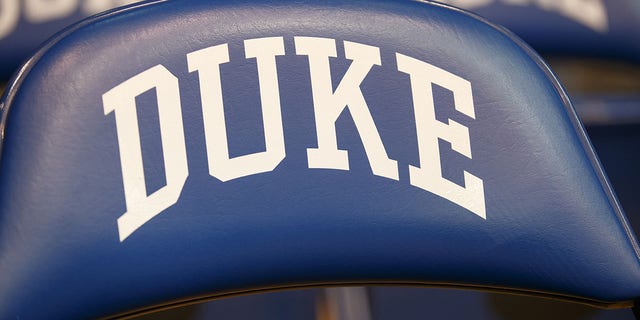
(26, 24)
(180, 150)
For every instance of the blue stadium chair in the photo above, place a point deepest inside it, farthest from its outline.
(177, 151)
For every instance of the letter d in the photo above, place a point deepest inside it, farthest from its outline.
(121, 100)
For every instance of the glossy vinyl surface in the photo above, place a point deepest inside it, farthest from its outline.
(552, 223)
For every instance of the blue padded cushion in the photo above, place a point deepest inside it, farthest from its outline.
(603, 28)
(543, 219)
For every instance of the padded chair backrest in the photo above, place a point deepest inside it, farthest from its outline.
(25, 24)
(604, 28)
(175, 151)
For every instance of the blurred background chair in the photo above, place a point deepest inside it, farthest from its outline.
(25, 24)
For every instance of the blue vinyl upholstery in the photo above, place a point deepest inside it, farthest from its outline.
(605, 89)
(139, 168)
